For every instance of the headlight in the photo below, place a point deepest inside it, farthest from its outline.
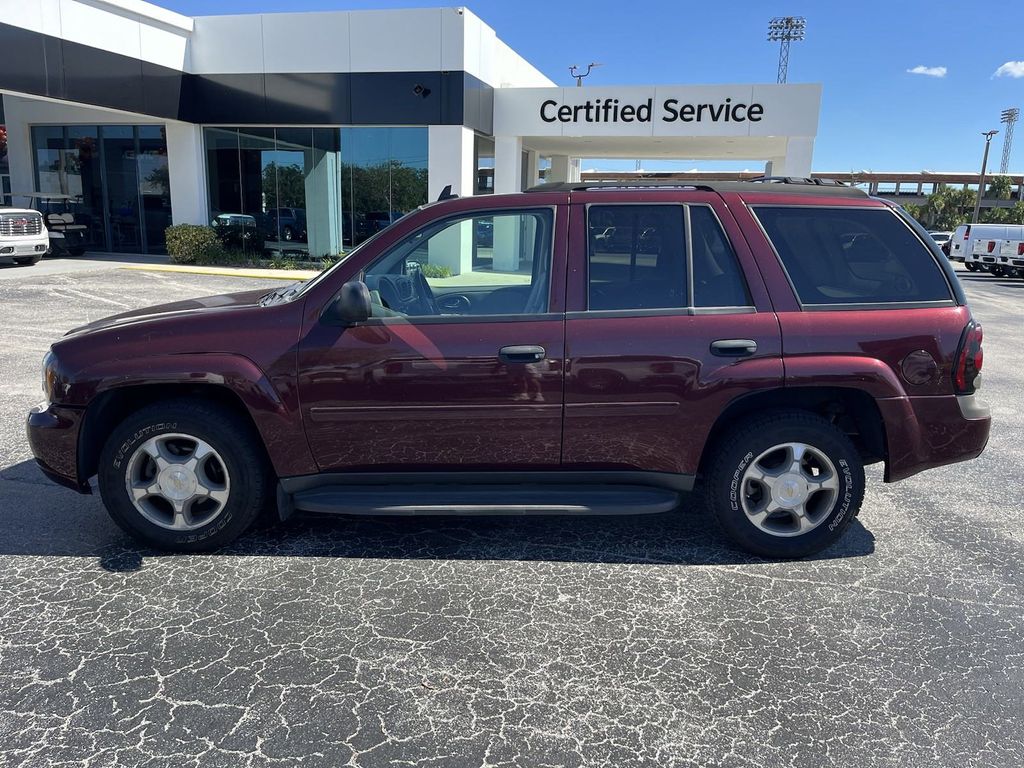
(49, 375)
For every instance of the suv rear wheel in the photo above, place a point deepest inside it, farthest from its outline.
(184, 476)
(785, 484)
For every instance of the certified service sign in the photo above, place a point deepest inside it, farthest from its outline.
(685, 110)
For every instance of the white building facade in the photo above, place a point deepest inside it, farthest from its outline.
(311, 131)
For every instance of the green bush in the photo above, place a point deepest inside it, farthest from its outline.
(193, 244)
(436, 270)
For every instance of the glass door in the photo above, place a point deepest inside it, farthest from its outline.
(154, 186)
(121, 169)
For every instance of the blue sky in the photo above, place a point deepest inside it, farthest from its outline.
(875, 115)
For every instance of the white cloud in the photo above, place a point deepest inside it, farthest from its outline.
(1010, 69)
(921, 69)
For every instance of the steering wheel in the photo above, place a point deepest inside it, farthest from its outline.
(389, 294)
(426, 295)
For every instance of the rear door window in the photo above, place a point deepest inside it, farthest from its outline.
(852, 256)
(636, 257)
(717, 278)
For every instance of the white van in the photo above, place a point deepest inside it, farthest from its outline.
(996, 248)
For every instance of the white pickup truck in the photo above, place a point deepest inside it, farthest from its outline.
(998, 249)
(23, 236)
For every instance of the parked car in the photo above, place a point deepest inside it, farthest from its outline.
(970, 244)
(237, 229)
(998, 249)
(23, 236)
(287, 224)
(782, 337)
(942, 240)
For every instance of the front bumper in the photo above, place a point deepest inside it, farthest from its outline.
(20, 248)
(53, 436)
(927, 432)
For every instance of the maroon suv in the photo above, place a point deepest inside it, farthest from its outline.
(578, 349)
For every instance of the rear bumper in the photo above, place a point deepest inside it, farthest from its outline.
(927, 432)
(53, 436)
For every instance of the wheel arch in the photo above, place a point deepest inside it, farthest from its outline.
(110, 407)
(852, 410)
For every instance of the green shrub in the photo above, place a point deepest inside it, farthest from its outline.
(436, 270)
(193, 244)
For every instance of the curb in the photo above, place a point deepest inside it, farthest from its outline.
(269, 274)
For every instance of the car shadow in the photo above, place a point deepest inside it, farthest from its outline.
(46, 520)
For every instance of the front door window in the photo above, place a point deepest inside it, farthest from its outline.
(481, 265)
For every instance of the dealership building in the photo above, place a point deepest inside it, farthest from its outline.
(317, 129)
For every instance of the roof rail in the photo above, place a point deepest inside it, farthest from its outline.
(798, 186)
(795, 180)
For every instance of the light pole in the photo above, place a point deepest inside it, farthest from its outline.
(784, 30)
(981, 182)
(573, 72)
(1009, 118)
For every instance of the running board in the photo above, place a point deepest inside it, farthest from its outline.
(408, 500)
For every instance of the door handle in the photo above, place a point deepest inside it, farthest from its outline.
(522, 353)
(733, 347)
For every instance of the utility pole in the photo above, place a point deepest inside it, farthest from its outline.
(981, 182)
(1009, 117)
(784, 30)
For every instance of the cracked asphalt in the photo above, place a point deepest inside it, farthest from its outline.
(508, 642)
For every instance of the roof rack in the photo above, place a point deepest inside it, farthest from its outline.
(799, 186)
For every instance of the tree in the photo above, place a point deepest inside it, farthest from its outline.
(284, 186)
(999, 188)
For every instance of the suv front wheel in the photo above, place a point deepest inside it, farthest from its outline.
(184, 476)
(785, 484)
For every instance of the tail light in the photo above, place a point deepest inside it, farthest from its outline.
(969, 359)
(991, 245)
(1020, 248)
(967, 232)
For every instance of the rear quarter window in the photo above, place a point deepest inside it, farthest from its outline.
(852, 256)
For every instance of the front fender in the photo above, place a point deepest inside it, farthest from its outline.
(272, 405)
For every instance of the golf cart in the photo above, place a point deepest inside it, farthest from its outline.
(67, 236)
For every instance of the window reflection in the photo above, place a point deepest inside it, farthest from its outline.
(301, 192)
(115, 178)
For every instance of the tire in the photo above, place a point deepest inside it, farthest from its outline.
(28, 261)
(971, 266)
(736, 498)
(287, 234)
(997, 271)
(237, 469)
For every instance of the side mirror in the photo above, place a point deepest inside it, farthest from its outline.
(352, 304)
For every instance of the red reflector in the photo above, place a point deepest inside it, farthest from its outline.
(991, 245)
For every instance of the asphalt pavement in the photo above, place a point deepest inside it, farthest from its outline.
(507, 642)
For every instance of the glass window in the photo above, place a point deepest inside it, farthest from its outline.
(384, 177)
(155, 184)
(636, 257)
(717, 277)
(852, 256)
(433, 272)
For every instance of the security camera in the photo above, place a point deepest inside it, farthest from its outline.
(419, 90)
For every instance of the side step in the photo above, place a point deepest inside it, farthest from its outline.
(486, 500)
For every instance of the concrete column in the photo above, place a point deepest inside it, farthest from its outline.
(508, 164)
(506, 243)
(533, 167)
(564, 169)
(323, 202)
(450, 160)
(187, 169)
(797, 162)
(19, 150)
(452, 247)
